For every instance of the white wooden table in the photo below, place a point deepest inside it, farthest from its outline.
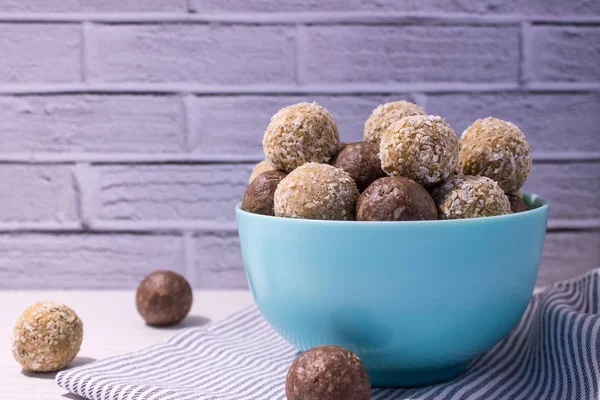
(112, 326)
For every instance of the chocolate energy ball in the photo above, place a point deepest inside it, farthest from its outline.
(385, 115)
(328, 373)
(261, 167)
(395, 199)
(259, 196)
(361, 161)
(164, 298)
(497, 149)
(517, 204)
(316, 191)
(470, 197)
(300, 133)
(47, 337)
(423, 148)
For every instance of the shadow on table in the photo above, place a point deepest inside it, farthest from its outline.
(191, 321)
(77, 362)
(72, 396)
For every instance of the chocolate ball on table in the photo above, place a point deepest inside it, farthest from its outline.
(298, 134)
(361, 161)
(259, 196)
(164, 298)
(328, 373)
(497, 149)
(395, 199)
(316, 191)
(517, 204)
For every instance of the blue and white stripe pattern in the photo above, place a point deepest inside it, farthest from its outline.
(554, 353)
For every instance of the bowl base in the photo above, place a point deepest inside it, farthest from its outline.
(414, 378)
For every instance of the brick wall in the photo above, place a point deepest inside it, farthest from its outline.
(128, 128)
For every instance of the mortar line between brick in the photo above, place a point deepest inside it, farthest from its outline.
(189, 6)
(82, 187)
(524, 37)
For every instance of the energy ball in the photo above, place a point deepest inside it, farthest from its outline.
(328, 373)
(423, 148)
(517, 204)
(395, 199)
(164, 298)
(361, 161)
(259, 196)
(470, 197)
(385, 115)
(300, 133)
(497, 149)
(47, 337)
(316, 191)
(260, 168)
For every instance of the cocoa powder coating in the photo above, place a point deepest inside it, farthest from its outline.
(164, 298)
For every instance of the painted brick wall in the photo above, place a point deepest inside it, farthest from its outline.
(128, 128)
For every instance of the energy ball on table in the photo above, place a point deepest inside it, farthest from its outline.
(260, 168)
(497, 149)
(316, 191)
(517, 204)
(47, 337)
(423, 148)
(361, 161)
(300, 133)
(385, 115)
(470, 197)
(164, 298)
(259, 196)
(395, 199)
(328, 373)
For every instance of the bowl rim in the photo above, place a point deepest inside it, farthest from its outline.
(540, 203)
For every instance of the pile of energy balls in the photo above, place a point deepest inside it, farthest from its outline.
(411, 166)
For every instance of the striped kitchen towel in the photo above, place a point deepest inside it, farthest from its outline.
(554, 353)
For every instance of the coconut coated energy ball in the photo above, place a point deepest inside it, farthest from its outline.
(385, 115)
(395, 199)
(470, 197)
(497, 149)
(316, 191)
(423, 148)
(361, 161)
(260, 168)
(300, 133)
(46, 337)
(259, 196)
(328, 373)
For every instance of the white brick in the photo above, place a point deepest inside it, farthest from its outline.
(207, 54)
(170, 192)
(85, 261)
(564, 54)
(40, 53)
(40, 193)
(551, 122)
(568, 255)
(236, 124)
(91, 123)
(384, 54)
(73, 6)
(218, 262)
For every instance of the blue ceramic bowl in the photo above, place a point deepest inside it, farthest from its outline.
(417, 301)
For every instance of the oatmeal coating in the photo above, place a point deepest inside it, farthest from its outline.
(361, 161)
(260, 168)
(395, 199)
(316, 191)
(464, 196)
(164, 298)
(385, 115)
(300, 133)
(423, 148)
(497, 149)
(328, 373)
(259, 196)
(46, 337)
(517, 204)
